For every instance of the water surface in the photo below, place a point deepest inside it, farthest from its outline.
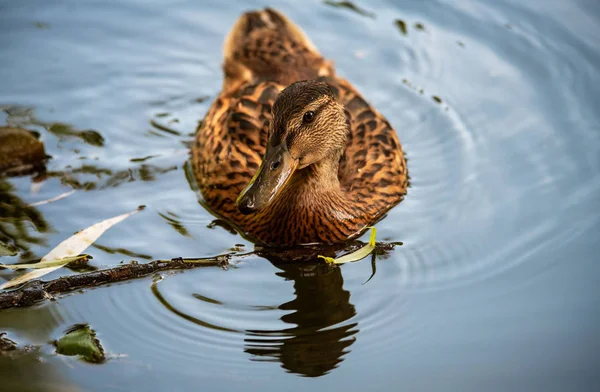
(494, 287)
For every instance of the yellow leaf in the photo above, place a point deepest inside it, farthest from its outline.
(358, 254)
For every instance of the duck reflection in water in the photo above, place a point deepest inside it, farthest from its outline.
(321, 337)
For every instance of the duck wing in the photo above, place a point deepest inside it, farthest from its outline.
(230, 144)
(373, 167)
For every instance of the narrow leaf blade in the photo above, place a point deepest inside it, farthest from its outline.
(66, 250)
(47, 264)
(79, 242)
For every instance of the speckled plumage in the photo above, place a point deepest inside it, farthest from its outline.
(264, 54)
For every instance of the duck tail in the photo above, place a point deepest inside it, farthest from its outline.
(266, 45)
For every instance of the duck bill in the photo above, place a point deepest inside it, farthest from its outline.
(275, 171)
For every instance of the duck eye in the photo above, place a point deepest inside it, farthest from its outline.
(275, 165)
(308, 116)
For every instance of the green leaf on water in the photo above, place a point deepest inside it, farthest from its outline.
(358, 254)
(81, 340)
(79, 259)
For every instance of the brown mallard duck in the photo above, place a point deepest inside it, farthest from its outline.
(289, 152)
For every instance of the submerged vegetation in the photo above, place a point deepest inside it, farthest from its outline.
(19, 223)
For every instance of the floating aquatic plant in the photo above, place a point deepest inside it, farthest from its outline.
(81, 340)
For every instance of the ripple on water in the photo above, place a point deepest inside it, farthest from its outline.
(301, 318)
(172, 328)
(481, 187)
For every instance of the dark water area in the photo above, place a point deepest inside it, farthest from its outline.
(495, 286)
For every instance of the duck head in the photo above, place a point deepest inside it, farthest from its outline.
(308, 127)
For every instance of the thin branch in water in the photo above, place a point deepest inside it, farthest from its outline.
(37, 291)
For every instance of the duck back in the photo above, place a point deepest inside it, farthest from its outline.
(266, 46)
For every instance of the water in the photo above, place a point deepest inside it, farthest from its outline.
(495, 287)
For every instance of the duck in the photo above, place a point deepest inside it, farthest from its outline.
(290, 153)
